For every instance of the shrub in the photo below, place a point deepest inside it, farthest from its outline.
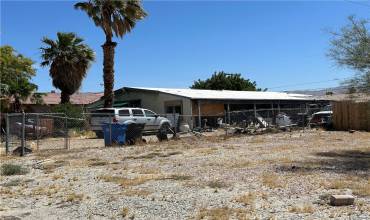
(12, 169)
(70, 110)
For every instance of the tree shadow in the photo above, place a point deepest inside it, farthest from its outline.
(356, 162)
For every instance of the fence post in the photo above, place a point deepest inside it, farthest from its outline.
(23, 140)
(37, 130)
(110, 129)
(199, 115)
(66, 132)
(228, 113)
(175, 123)
(7, 134)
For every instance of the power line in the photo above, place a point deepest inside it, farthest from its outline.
(358, 3)
(309, 83)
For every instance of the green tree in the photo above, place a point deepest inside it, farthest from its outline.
(351, 48)
(112, 16)
(226, 81)
(70, 110)
(15, 76)
(69, 60)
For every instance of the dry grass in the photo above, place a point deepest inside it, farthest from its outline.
(205, 151)
(272, 181)
(240, 164)
(215, 213)
(217, 184)
(74, 197)
(14, 182)
(285, 160)
(136, 192)
(257, 140)
(224, 213)
(48, 191)
(358, 186)
(305, 208)
(96, 162)
(142, 169)
(50, 167)
(124, 212)
(57, 176)
(179, 177)
(337, 184)
(153, 155)
(126, 182)
(247, 199)
(361, 189)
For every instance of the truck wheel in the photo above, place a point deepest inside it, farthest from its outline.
(163, 131)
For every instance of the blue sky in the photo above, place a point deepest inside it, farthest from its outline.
(278, 44)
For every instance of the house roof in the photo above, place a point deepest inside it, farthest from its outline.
(53, 98)
(226, 94)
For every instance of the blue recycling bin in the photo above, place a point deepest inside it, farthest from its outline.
(114, 133)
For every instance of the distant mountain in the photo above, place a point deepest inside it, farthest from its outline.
(322, 92)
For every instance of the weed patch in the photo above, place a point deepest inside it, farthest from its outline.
(126, 182)
(12, 169)
(272, 181)
(216, 184)
(305, 208)
(246, 199)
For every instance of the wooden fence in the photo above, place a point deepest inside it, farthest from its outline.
(348, 115)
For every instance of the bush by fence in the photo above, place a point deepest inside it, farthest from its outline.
(351, 115)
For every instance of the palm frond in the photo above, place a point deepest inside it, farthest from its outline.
(122, 14)
(69, 59)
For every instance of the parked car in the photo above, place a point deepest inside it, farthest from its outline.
(321, 119)
(154, 124)
(31, 129)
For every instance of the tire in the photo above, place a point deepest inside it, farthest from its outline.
(163, 131)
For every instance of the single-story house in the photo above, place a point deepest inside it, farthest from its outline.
(52, 98)
(194, 104)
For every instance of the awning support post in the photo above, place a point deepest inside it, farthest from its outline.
(199, 116)
(255, 110)
(228, 113)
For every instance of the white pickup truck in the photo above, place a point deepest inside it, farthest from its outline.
(154, 124)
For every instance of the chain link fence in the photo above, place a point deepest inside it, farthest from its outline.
(46, 131)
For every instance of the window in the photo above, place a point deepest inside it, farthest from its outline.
(137, 112)
(173, 109)
(149, 113)
(103, 113)
(125, 112)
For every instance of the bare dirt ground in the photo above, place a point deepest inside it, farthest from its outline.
(273, 176)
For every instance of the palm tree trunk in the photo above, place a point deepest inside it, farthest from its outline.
(108, 71)
(64, 98)
(17, 104)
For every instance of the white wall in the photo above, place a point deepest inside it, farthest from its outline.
(155, 101)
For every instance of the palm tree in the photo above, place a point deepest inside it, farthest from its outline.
(113, 16)
(69, 60)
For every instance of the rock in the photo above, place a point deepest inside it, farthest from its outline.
(340, 200)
